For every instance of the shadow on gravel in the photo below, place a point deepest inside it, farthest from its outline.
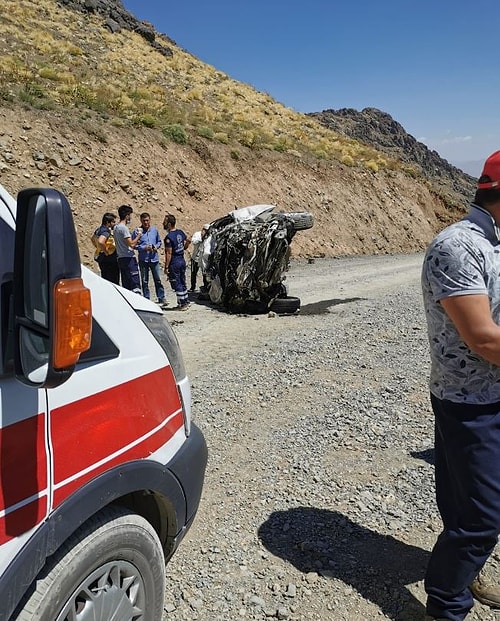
(316, 308)
(321, 308)
(425, 455)
(328, 543)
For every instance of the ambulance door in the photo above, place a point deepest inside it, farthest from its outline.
(24, 463)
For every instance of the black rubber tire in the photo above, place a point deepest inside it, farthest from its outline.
(116, 556)
(285, 306)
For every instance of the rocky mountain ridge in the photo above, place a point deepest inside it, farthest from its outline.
(116, 18)
(379, 130)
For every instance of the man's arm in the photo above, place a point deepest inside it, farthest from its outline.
(101, 240)
(471, 315)
(132, 243)
(168, 256)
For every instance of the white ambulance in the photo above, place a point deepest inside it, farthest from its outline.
(101, 469)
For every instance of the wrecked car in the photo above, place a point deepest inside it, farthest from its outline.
(245, 256)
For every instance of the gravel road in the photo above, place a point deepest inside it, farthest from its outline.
(318, 502)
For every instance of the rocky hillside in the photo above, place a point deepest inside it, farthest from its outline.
(379, 130)
(101, 106)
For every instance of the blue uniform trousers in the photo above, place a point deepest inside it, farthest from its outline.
(177, 278)
(129, 272)
(467, 471)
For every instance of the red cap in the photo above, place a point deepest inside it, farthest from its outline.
(492, 170)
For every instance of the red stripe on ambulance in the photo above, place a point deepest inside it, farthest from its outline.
(86, 434)
(23, 472)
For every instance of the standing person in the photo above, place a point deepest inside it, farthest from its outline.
(107, 257)
(461, 291)
(125, 245)
(149, 259)
(176, 241)
(197, 248)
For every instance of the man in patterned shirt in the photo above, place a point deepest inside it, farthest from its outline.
(461, 291)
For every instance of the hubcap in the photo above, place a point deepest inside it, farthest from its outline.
(113, 592)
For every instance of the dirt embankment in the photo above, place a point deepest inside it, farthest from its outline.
(100, 166)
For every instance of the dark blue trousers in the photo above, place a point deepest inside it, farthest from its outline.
(467, 471)
(177, 278)
(129, 272)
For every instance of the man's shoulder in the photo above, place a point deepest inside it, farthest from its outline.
(102, 230)
(458, 232)
(122, 228)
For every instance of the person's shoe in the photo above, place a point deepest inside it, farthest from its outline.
(184, 307)
(486, 593)
(192, 289)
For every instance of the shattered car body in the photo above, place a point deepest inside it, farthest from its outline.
(245, 256)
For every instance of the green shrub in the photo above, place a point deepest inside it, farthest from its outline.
(148, 120)
(222, 137)
(235, 154)
(411, 171)
(5, 94)
(49, 73)
(176, 133)
(280, 147)
(372, 165)
(206, 132)
(32, 91)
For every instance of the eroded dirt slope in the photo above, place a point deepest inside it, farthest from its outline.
(100, 166)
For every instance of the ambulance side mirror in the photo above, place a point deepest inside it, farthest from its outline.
(52, 307)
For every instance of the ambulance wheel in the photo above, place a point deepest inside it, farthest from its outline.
(112, 567)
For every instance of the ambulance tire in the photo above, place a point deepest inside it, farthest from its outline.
(113, 563)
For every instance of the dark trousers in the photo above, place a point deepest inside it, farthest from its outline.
(129, 271)
(467, 471)
(194, 273)
(177, 278)
(110, 271)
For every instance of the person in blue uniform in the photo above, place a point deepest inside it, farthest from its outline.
(176, 242)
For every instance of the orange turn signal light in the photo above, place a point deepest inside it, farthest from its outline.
(72, 321)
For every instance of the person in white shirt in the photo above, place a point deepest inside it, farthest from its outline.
(196, 252)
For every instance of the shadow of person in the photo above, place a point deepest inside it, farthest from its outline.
(322, 307)
(378, 566)
(425, 455)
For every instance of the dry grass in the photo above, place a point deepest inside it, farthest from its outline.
(51, 57)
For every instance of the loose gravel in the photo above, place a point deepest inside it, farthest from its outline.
(319, 497)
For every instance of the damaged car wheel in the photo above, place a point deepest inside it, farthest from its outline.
(285, 306)
(302, 220)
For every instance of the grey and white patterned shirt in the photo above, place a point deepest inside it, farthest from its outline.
(463, 259)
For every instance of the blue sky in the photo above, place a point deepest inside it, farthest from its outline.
(431, 64)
